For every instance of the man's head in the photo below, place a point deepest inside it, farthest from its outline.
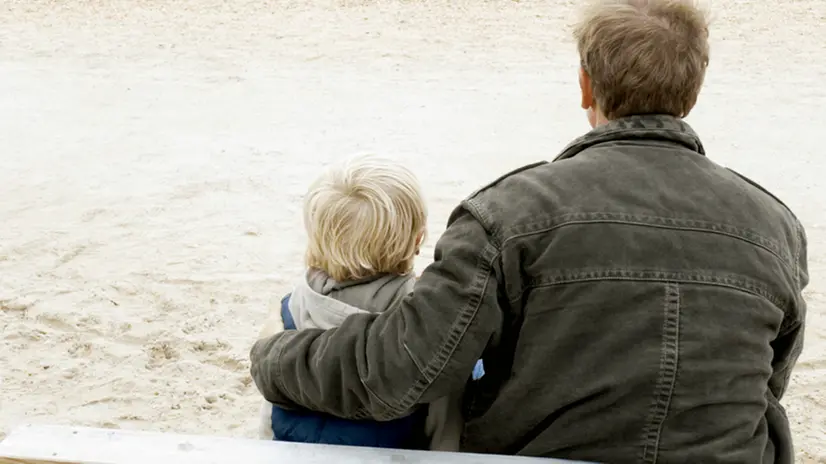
(641, 57)
(365, 216)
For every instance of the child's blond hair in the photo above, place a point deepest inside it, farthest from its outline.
(644, 56)
(364, 217)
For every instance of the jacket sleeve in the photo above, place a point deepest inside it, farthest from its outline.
(789, 343)
(382, 366)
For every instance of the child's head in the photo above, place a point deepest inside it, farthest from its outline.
(364, 217)
(642, 57)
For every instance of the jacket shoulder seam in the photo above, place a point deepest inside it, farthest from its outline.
(477, 208)
(499, 179)
(766, 191)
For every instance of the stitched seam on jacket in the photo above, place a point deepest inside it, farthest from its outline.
(657, 276)
(482, 215)
(642, 219)
(484, 266)
(798, 253)
(415, 361)
(472, 197)
(669, 358)
(737, 233)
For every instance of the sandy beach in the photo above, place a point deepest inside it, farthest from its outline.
(155, 153)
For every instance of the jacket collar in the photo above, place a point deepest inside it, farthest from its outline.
(644, 127)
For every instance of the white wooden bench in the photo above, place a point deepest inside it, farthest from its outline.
(79, 445)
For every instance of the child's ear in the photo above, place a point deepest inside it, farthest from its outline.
(419, 242)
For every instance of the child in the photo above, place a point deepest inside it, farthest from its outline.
(365, 221)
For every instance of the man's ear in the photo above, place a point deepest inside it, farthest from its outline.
(586, 89)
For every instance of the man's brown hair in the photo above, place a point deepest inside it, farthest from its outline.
(644, 56)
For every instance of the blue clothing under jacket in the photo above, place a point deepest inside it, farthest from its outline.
(313, 427)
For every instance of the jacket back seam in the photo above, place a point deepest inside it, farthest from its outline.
(669, 359)
(653, 276)
(786, 260)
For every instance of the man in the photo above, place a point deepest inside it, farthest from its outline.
(632, 300)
